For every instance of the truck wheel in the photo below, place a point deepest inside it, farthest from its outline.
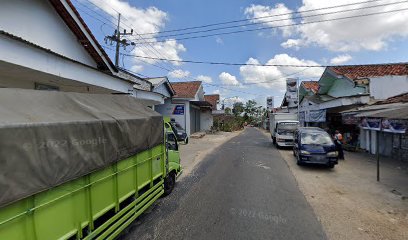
(169, 183)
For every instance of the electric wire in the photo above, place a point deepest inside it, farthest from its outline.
(275, 20)
(256, 18)
(281, 26)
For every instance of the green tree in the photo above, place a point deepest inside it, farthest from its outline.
(228, 110)
(250, 108)
(238, 108)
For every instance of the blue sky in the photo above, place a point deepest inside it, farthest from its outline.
(375, 39)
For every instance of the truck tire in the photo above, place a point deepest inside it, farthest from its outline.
(169, 183)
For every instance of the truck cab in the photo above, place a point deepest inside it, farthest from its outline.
(282, 127)
(283, 133)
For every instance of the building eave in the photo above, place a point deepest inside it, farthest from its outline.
(67, 11)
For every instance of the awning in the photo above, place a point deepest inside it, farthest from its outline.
(392, 113)
(201, 104)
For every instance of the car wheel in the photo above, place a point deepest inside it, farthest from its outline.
(331, 165)
(186, 141)
(298, 162)
(169, 183)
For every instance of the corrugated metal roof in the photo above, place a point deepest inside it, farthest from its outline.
(395, 112)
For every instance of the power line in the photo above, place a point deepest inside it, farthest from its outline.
(141, 37)
(275, 20)
(281, 26)
(251, 19)
(224, 63)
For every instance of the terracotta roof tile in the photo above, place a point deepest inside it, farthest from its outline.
(213, 99)
(311, 85)
(402, 98)
(356, 72)
(185, 89)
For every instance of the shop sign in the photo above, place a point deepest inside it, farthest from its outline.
(350, 119)
(371, 123)
(315, 115)
(178, 110)
(394, 126)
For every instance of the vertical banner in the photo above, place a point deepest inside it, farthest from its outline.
(269, 104)
(291, 92)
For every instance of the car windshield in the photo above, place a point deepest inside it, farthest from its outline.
(287, 128)
(319, 138)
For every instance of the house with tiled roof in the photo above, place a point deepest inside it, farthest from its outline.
(345, 87)
(46, 45)
(188, 107)
(213, 99)
(344, 91)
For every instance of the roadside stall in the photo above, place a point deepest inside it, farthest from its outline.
(385, 133)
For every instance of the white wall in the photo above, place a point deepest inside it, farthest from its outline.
(388, 86)
(206, 120)
(162, 89)
(24, 56)
(37, 22)
(167, 109)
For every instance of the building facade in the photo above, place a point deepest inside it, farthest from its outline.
(188, 107)
(46, 45)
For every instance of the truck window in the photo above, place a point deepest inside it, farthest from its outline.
(171, 142)
(287, 128)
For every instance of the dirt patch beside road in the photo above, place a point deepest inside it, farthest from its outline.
(195, 151)
(350, 203)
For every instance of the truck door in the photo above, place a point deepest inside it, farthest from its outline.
(172, 150)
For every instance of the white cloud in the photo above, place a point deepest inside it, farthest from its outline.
(148, 20)
(262, 12)
(217, 91)
(169, 49)
(229, 101)
(340, 59)
(275, 77)
(372, 33)
(219, 40)
(228, 79)
(136, 68)
(178, 73)
(365, 33)
(203, 78)
(292, 43)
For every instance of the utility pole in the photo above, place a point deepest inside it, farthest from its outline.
(116, 37)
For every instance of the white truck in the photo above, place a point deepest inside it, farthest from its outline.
(282, 126)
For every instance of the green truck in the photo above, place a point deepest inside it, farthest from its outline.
(80, 166)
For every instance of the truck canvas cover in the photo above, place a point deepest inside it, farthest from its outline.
(48, 138)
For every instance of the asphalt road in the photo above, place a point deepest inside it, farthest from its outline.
(242, 190)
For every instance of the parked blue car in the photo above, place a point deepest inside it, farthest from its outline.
(315, 146)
